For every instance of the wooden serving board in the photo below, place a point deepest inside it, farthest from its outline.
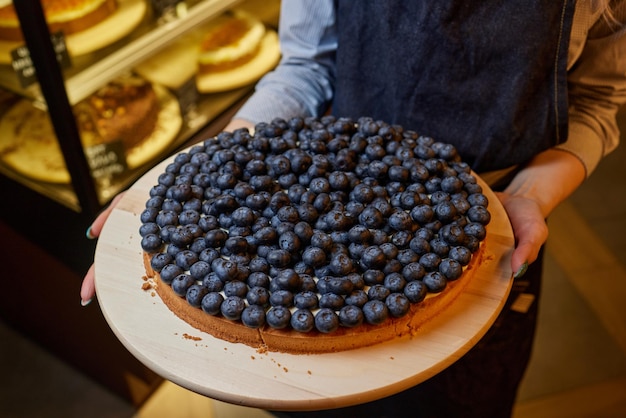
(241, 375)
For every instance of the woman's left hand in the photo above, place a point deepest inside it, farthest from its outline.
(529, 228)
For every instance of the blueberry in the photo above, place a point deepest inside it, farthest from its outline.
(339, 285)
(151, 243)
(149, 228)
(326, 320)
(302, 320)
(213, 283)
(430, 261)
(445, 211)
(287, 279)
(281, 297)
(199, 269)
(378, 292)
(195, 294)
(212, 302)
(478, 199)
(278, 317)
(253, 316)
(407, 256)
(420, 245)
(460, 254)
(208, 255)
(400, 221)
(236, 288)
(181, 283)
(357, 298)
(188, 217)
(413, 271)
(166, 217)
(149, 215)
(258, 279)
(451, 269)
(451, 184)
(397, 304)
(373, 277)
(232, 307)
(258, 296)
(395, 282)
(373, 257)
(169, 272)
(476, 229)
(181, 237)
(375, 312)
(435, 281)
(439, 246)
(305, 300)
(371, 217)
(279, 258)
(479, 214)
(160, 260)
(415, 291)
(224, 269)
(332, 301)
(185, 259)
(453, 234)
(351, 316)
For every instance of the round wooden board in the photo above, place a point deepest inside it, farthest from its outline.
(240, 374)
(41, 158)
(126, 18)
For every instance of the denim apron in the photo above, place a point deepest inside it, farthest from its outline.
(490, 78)
(487, 76)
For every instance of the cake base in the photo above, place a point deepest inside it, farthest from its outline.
(291, 341)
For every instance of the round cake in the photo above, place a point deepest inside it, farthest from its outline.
(124, 110)
(313, 235)
(67, 16)
(230, 41)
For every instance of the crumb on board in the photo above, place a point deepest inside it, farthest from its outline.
(191, 337)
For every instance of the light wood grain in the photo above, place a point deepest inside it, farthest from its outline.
(238, 374)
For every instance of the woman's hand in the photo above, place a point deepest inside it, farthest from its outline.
(532, 195)
(88, 289)
(529, 228)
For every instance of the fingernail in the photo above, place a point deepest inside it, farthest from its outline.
(88, 234)
(85, 302)
(521, 271)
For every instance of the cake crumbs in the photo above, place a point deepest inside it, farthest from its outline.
(286, 370)
(309, 372)
(191, 337)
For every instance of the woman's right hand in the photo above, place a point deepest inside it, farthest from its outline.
(88, 288)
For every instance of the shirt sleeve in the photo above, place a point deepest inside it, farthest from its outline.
(302, 83)
(597, 89)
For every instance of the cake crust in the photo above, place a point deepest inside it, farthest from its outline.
(315, 342)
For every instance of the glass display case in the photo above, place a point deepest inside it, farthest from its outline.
(84, 113)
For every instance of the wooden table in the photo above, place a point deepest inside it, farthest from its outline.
(239, 374)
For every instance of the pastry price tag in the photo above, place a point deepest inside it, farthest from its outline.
(187, 95)
(23, 65)
(106, 160)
